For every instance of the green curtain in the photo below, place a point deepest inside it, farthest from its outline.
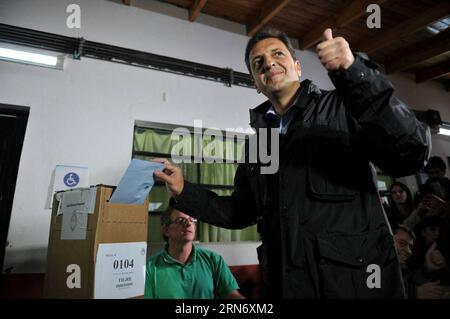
(160, 141)
(151, 140)
(154, 231)
(222, 174)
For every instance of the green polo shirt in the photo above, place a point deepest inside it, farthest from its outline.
(205, 276)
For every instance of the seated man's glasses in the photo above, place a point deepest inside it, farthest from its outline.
(183, 221)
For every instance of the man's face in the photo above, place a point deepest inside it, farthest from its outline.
(273, 68)
(403, 244)
(181, 229)
(435, 172)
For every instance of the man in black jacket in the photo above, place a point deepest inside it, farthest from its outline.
(323, 230)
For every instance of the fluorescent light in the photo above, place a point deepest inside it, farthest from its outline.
(432, 30)
(28, 57)
(444, 131)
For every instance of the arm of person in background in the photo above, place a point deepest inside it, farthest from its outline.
(430, 205)
(430, 290)
(235, 295)
(226, 285)
(415, 217)
(389, 132)
(434, 260)
(436, 205)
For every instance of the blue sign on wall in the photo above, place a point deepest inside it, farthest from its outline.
(71, 179)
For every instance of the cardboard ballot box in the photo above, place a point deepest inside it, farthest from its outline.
(96, 249)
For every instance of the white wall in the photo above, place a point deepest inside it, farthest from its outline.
(85, 114)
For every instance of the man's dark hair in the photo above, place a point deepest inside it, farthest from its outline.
(436, 162)
(406, 229)
(266, 33)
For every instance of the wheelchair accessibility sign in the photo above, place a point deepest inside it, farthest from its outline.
(67, 177)
(71, 179)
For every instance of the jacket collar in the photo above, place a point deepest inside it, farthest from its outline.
(307, 90)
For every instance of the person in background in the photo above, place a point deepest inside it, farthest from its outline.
(432, 235)
(431, 252)
(404, 241)
(434, 200)
(435, 167)
(183, 270)
(401, 203)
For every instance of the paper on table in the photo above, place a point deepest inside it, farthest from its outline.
(136, 183)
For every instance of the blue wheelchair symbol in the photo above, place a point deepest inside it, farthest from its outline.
(71, 179)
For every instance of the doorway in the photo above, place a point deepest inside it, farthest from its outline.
(13, 123)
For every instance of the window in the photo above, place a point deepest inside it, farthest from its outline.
(384, 182)
(210, 158)
(444, 129)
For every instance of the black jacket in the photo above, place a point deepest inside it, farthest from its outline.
(320, 216)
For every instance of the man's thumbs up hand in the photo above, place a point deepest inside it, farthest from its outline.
(434, 259)
(327, 34)
(334, 53)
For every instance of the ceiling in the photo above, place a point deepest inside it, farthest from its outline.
(414, 36)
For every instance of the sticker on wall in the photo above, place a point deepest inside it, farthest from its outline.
(67, 177)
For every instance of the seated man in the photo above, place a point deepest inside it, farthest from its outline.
(183, 270)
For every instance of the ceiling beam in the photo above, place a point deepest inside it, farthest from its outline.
(433, 72)
(267, 12)
(126, 2)
(197, 6)
(343, 17)
(405, 28)
(419, 52)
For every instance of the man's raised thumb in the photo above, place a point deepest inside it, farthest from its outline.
(327, 34)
